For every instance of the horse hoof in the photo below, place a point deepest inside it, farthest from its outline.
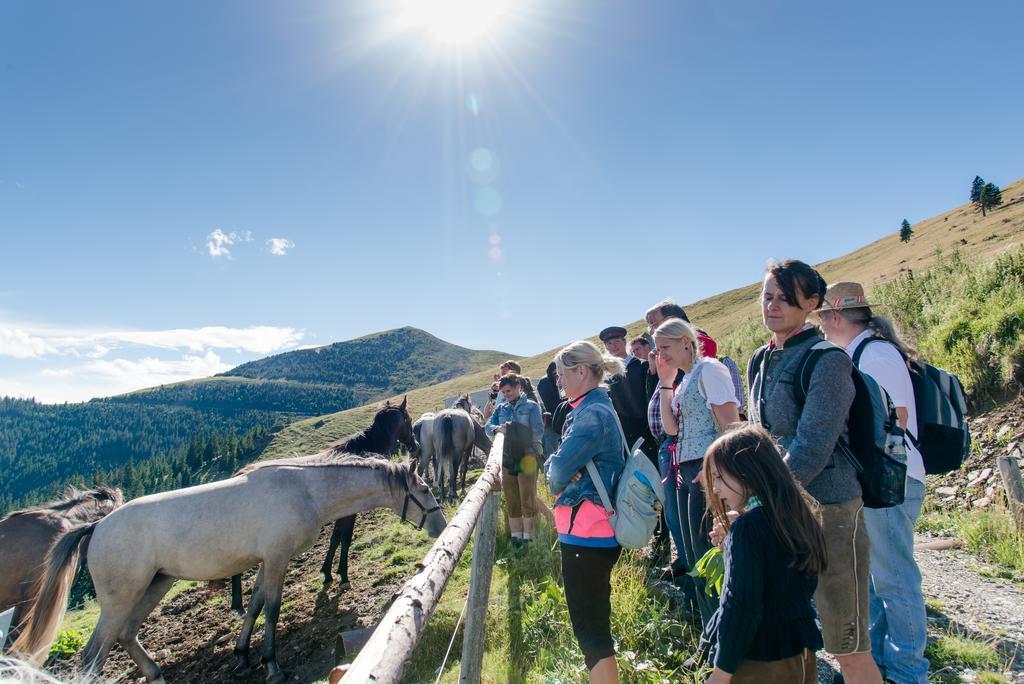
(345, 585)
(327, 580)
(242, 669)
(277, 678)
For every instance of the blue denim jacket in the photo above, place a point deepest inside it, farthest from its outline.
(589, 432)
(525, 412)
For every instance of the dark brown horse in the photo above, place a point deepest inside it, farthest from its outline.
(26, 536)
(391, 425)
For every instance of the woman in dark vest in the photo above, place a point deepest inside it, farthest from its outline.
(809, 433)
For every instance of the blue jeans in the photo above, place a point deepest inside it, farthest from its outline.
(694, 522)
(899, 628)
(550, 441)
(671, 507)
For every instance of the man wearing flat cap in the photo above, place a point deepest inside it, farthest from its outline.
(628, 390)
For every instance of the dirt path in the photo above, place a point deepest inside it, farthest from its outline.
(964, 601)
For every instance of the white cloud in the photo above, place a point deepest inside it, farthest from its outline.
(158, 371)
(22, 345)
(261, 339)
(104, 378)
(218, 241)
(24, 342)
(279, 246)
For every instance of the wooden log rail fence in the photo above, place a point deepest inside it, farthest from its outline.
(388, 652)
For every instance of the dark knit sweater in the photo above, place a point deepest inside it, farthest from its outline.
(765, 611)
(808, 434)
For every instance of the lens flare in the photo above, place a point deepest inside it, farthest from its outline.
(488, 201)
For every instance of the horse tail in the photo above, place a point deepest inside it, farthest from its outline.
(44, 618)
(447, 435)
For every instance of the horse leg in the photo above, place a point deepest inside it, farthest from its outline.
(331, 548)
(440, 480)
(236, 595)
(245, 635)
(348, 528)
(464, 467)
(129, 635)
(453, 468)
(112, 619)
(272, 589)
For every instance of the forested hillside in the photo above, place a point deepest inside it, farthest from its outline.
(144, 439)
(45, 447)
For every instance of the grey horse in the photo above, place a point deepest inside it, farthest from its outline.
(423, 432)
(455, 433)
(268, 513)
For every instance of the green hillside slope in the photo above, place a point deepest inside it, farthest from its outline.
(732, 317)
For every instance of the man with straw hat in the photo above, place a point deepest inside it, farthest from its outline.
(898, 624)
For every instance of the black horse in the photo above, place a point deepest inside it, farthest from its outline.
(391, 425)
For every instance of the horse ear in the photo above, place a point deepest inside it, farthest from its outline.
(405, 402)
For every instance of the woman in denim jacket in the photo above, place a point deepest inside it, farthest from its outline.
(588, 547)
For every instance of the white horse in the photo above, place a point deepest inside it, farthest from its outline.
(268, 513)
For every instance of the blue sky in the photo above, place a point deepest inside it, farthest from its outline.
(185, 186)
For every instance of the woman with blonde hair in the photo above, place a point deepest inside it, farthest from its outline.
(586, 538)
(694, 414)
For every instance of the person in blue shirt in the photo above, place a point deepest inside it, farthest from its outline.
(519, 418)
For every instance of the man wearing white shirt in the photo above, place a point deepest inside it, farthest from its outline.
(898, 620)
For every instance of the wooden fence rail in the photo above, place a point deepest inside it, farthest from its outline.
(387, 654)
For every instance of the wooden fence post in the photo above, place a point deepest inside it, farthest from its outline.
(1014, 487)
(387, 654)
(484, 541)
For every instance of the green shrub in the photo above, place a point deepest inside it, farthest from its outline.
(967, 318)
(68, 643)
(742, 341)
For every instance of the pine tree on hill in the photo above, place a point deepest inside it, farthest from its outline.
(991, 197)
(985, 195)
(906, 231)
(976, 188)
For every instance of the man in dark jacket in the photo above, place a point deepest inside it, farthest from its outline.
(629, 392)
(547, 389)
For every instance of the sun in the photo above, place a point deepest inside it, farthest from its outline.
(454, 21)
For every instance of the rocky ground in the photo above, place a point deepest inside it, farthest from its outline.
(977, 485)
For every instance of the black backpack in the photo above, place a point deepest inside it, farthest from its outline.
(944, 437)
(875, 446)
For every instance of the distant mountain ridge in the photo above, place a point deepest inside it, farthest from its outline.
(374, 366)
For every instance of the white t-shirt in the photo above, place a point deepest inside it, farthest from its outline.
(715, 384)
(883, 362)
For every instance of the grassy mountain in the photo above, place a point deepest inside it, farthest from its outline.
(47, 446)
(732, 317)
(374, 366)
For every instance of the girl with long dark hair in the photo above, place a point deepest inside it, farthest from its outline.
(764, 628)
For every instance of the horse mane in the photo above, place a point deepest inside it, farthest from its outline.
(398, 474)
(77, 503)
(340, 446)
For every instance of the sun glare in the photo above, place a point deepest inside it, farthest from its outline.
(454, 21)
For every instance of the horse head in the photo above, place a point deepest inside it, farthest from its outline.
(419, 506)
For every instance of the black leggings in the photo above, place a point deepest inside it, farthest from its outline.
(587, 575)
